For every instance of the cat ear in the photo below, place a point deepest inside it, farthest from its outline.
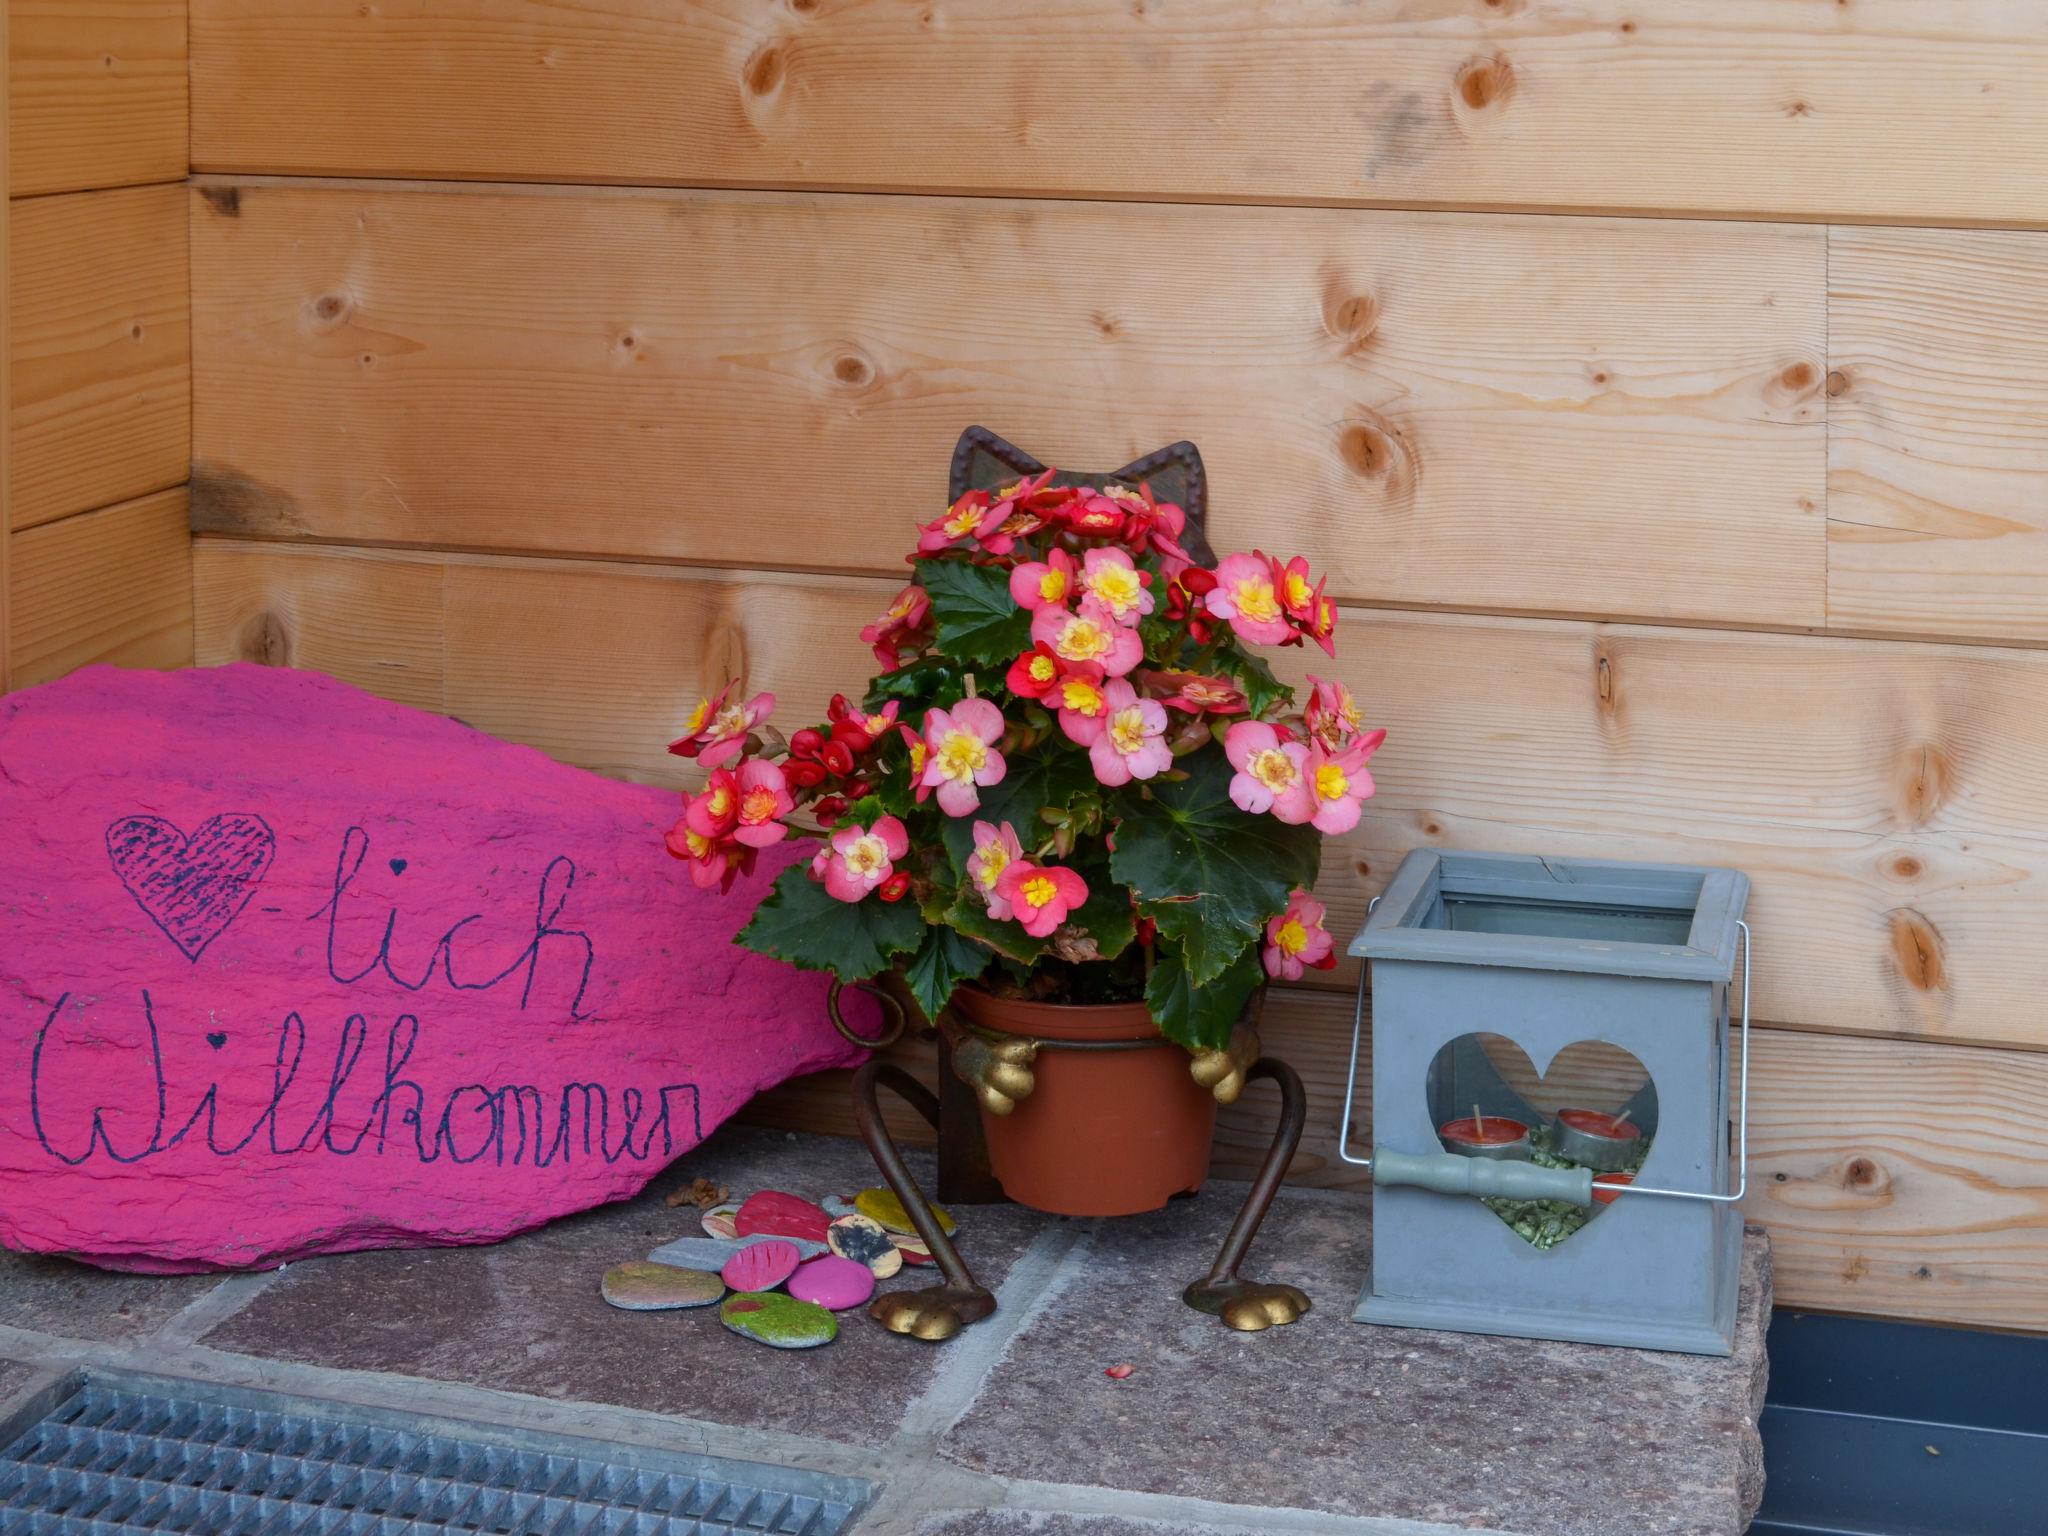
(1175, 474)
(983, 461)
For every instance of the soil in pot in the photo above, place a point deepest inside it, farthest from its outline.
(1104, 1132)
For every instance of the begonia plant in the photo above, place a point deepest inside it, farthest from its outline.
(1074, 778)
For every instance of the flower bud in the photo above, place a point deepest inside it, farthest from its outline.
(892, 889)
(837, 757)
(829, 809)
(806, 742)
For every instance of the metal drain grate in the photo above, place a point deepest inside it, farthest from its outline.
(112, 1456)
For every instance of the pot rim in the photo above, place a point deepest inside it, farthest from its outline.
(1067, 1021)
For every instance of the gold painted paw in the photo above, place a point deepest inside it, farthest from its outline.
(999, 1072)
(1249, 1306)
(1222, 1072)
(934, 1314)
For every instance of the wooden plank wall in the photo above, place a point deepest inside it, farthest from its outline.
(1662, 385)
(98, 301)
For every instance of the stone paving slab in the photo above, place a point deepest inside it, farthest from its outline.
(1013, 1522)
(13, 1377)
(525, 1316)
(77, 1301)
(1545, 1438)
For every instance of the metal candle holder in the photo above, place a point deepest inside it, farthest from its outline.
(1551, 952)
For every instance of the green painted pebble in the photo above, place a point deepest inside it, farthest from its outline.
(642, 1286)
(780, 1321)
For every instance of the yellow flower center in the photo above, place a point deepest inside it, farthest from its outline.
(1255, 599)
(700, 847)
(1273, 768)
(1117, 586)
(721, 801)
(1009, 490)
(995, 858)
(1084, 640)
(732, 720)
(695, 723)
(1081, 696)
(1052, 586)
(1038, 890)
(917, 757)
(1330, 782)
(1292, 937)
(874, 725)
(1043, 669)
(1299, 592)
(963, 520)
(757, 805)
(1127, 730)
(1123, 493)
(1326, 616)
(900, 609)
(867, 855)
(962, 755)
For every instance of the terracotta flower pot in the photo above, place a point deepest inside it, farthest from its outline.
(1104, 1133)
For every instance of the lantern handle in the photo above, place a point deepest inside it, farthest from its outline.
(1351, 1077)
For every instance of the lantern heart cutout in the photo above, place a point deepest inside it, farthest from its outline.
(192, 887)
(1593, 1107)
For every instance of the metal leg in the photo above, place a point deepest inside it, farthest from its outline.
(940, 1311)
(1251, 1305)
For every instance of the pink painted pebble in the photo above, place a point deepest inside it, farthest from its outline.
(761, 1266)
(832, 1282)
(782, 1215)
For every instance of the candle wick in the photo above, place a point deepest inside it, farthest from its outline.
(1622, 1119)
(1478, 1126)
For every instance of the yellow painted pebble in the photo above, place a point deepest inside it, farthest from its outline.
(883, 1206)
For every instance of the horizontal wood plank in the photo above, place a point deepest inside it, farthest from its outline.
(101, 350)
(1611, 416)
(1906, 1179)
(108, 586)
(1889, 799)
(98, 93)
(1904, 110)
(1938, 432)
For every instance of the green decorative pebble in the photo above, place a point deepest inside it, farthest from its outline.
(644, 1286)
(780, 1321)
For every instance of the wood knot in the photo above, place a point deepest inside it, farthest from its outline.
(1792, 386)
(764, 70)
(1363, 869)
(1105, 324)
(1906, 867)
(265, 641)
(1351, 318)
(1865, 1178)
(1838, 383)
(1797, 377)
(1605, 690)
(1367, 450)
(803, 7)
(851, 370)
(1483, 83)
(330, 312)
(135, 331)
(225, 201)
(1923, 783)
(1917, 949)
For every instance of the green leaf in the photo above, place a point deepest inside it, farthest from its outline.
(1199, 1015)
(1208, 873)
(942, 962)
(978, 620)
(1050, 774)
(930, 682)
(798, 922)
(1261, 688)
(1107, 913)
(1005, 938)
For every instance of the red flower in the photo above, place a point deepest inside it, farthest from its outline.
(1036, 673)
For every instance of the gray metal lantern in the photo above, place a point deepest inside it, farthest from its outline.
(1550, 952)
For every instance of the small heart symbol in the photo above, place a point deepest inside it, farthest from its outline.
(398, 866)
(216, 1039)
(191, 887)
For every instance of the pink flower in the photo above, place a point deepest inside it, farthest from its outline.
(860, 858)
(1040, 898)
(1297, 939)
(1269, 771)
(994, 852)
(898, 628)
(1093, 634)
(961, 755)
(1196, 694)
(1082, 702)
(714, 861)
(968, 518)
(1336, 782)
(1038, 582)
(1108, 576)
(1333, 715)
(716, 731)
(1244, 594)
(763, 798)
(1130, 744)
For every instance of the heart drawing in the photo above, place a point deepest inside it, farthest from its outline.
(192, 888)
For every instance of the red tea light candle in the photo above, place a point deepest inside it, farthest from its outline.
(1596, 1140)
(1611, 1192)
(1489, 1136)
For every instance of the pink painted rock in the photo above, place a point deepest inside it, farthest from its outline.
(761, 1266)
(834, 1283)
(286, 969)
(782, 1215)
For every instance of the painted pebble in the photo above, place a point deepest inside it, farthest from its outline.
(761, 1266)
(837, 1206)
(912, 1248)
(861, 1239)
(718, 1221)
(777, 1320)
(644, 1286)
(781, 1215)
(711, 1252)
(832, 1282)
(882, 1205)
